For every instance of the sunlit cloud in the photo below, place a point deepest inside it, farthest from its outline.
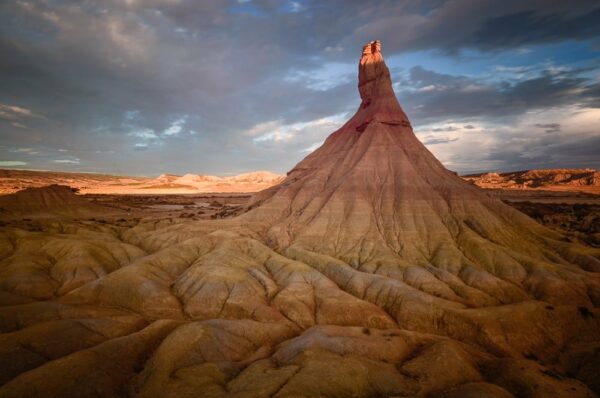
(12, 112)
(279, 133)
(311, 148)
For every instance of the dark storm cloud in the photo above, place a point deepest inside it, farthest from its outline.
(526, 27)
(550, 153)
(430, 140)
(431, 96)
(154, 86)
(480, 24)
(503, 110)
(549, 127)
(449, 128)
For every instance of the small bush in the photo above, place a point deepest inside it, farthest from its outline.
(585, 312)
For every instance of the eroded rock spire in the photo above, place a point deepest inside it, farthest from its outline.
(373, 74)
(375, 86)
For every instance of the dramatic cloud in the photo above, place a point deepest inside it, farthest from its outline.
(493, 145)
(146, 87)
(434, 95)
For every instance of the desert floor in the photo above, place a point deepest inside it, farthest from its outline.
(571, 212)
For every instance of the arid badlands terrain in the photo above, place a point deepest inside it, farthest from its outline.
(369, 271)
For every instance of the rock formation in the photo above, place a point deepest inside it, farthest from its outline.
(551, 179)
(371, 270)
(52, 200)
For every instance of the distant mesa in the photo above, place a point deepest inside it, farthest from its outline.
(247, 182)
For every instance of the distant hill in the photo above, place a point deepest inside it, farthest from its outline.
(16, 180)
(56, 200)
(587, 180)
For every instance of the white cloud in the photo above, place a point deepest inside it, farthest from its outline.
(295, 6)
(29, 151)
(334, 49)
(132, 114)
(275, 132)
(22, 150)
(145, 134)
(67, 161)
(262, 128)
(431, 87)
(176, 127)
(11, 163)
(523, 50)
(277, 136)
(472, 88)
(12, 112)
(312, 147)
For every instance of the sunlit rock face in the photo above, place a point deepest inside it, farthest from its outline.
(371, 270)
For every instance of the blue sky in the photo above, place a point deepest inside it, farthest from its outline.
(222, 87)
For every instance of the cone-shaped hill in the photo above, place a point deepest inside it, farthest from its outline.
(371, 270)
(374, 196)
(51, 200)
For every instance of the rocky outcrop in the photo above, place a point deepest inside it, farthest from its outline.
(51, 200)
